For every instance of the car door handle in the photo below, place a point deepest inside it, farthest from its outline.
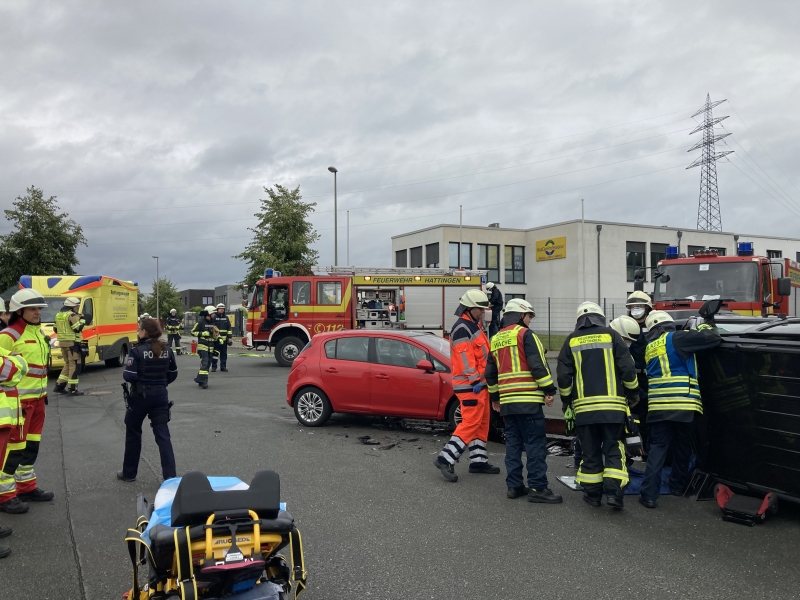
(382, 376)
(331, 370)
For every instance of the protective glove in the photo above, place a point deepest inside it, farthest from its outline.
(569, 421)
(566, 402)
(230, 341)
(478, 387)
(633, 440)
(633, 399)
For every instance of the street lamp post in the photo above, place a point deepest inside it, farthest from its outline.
(334, 170)
(158, 314)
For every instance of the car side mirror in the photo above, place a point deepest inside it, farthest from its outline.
(784, 286)
(710, 308)
(425, 365)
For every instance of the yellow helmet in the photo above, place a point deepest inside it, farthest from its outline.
(589, 308)
(637, 298)
(627, 327)
(658, 317)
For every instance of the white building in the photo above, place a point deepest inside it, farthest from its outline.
(568, 262)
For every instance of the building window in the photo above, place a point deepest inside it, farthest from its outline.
(466, 255)
(515, 264)
(797, 258)
(658, 252)
(432, 256)
(207, 300)
(774, 254)
(489, 260)
(400, 258)
(416, 257)
(634, 257)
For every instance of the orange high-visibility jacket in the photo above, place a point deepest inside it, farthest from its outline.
(469, 351)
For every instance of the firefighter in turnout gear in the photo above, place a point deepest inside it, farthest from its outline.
(595, 375)
(69, 325)
(674, 400)
(12, 370)
(223, 341)
(204, 330)
(23, 337)
(174, 330)
(519, 384)
(150, 368)
(469, 351)
(640, 305)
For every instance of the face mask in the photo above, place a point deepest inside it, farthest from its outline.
(637, 313)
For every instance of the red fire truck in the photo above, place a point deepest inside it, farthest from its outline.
(748, 285)
(284, 313)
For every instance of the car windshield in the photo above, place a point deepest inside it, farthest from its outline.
(700, 281)
(435, 343)
(53, 306)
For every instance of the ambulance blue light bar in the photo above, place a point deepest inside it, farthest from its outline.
(270, 273)
(671, 252)
(744, 249)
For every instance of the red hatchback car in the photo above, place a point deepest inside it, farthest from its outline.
(385, 373)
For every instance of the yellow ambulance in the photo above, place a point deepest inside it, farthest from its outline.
(108, 305)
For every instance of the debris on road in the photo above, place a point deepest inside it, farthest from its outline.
(368, 441)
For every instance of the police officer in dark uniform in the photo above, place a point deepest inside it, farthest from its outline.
(150, 368)
(174, 330)
(223, 341)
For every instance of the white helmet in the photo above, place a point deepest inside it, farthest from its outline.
(27, 298)
(518, 305)
(210, 309)
(2, 305)
(72, 301)
(475, 299)
(627, 327)
(145, 316)
(489, 285)
(589, 308)
(639, 298)
(658, 317)
(172, 310)
(220, 305)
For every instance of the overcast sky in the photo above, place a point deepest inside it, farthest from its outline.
(157, 124)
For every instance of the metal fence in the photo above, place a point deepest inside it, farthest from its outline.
(555, 317)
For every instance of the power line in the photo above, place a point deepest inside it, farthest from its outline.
(766, 191)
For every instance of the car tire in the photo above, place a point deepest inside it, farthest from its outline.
(118, 361)
(454, 414)
(287, 350)
(312, 407)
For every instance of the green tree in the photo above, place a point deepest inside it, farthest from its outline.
(168, 298)
(43, 241)
(282, 237)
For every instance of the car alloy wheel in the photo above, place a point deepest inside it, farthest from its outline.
(310, 407)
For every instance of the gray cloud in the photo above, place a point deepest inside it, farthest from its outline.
(157, 124)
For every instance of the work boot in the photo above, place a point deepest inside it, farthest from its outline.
(60, 388)
(446, 468)
(224, 369)
(204, 385)
(122, 477)
(647, 503)
(75, 393)
(517, 492)
(213, 369)
(4, 551)
(545, 496)
(37, 495)
(592, 500)
(5, 531)
(615, 501)
(486, 468)
(15, 506)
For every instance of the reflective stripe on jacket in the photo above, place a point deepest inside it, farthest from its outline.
(469, 350)
(173, 325)
(68, 329)
(674, 392)
(205, 337)
(515, 383)
(27, 340)
(12, 370)
(595, 368)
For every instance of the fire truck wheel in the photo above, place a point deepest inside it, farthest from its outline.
(287, 350)
(454, 414)
(312, 407)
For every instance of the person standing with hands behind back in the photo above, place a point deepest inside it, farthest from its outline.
(150, 368)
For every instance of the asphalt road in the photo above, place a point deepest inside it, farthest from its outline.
(377, 524)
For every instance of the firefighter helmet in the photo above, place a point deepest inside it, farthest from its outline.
(627, 327)
(518, 305)
(27, 298)
(2, 305)
(639, 298)
(475, 299)
(489, 285)
(144, 316)
(209, 309)
(220, 305)
(72, 302)
(172, 310)
(658, 317)
(589, 308)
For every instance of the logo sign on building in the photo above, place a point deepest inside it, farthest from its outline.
(551, 249)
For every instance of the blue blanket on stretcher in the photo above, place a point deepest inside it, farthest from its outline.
(162, 505)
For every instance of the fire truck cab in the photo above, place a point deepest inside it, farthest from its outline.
(748, 285)
(284, 312)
